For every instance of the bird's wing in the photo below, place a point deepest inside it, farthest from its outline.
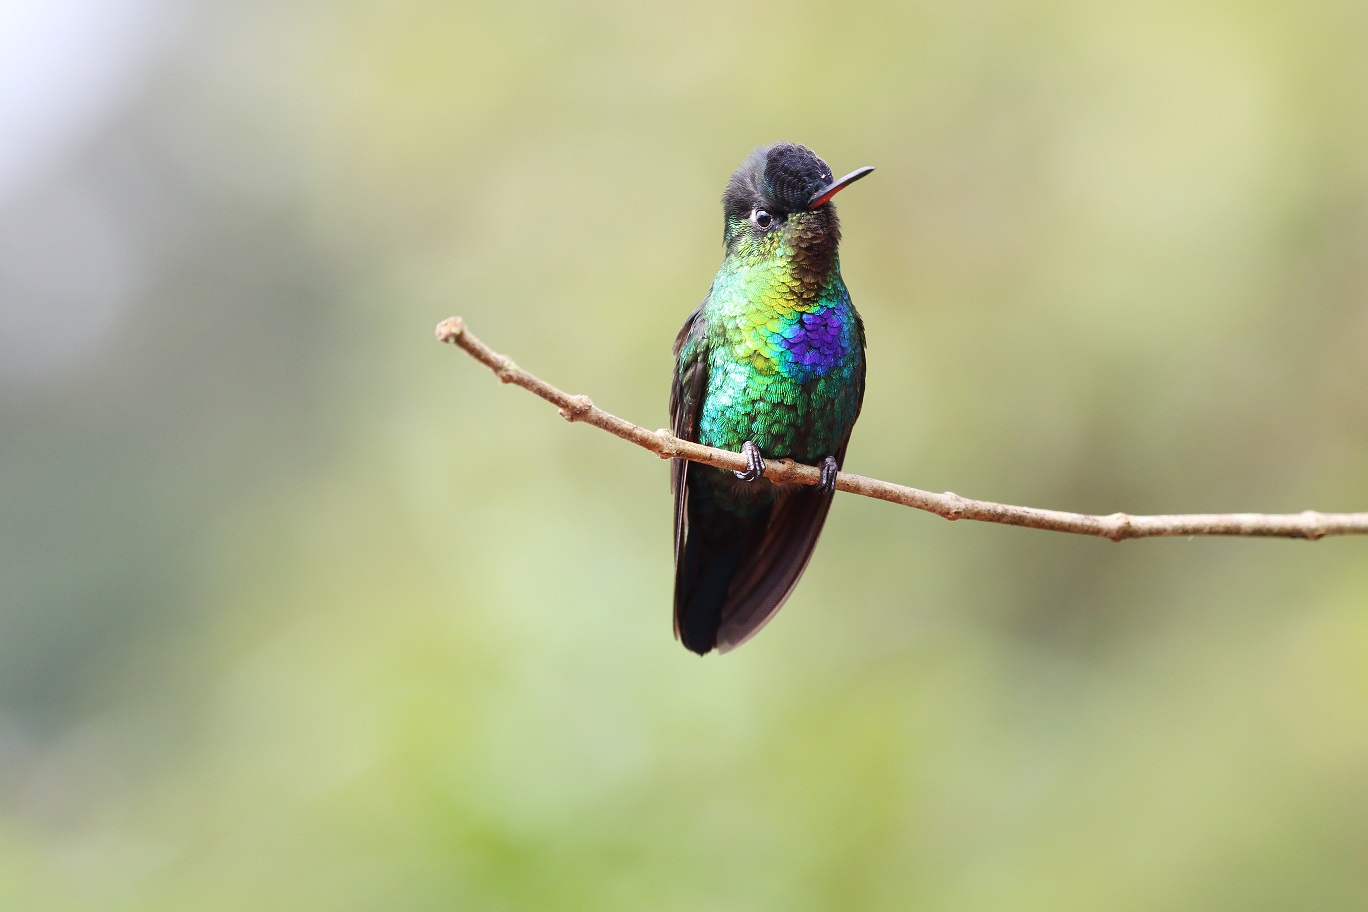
(686, 400)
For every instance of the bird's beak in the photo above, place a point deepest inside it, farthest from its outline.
(824, 195)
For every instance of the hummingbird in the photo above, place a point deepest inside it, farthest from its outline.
(770, 365)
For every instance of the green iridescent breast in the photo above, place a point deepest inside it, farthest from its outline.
(783, 363)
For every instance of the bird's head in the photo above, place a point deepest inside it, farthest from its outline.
(780, 200)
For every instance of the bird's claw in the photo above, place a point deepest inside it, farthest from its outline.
(829, 472)
(754, 461)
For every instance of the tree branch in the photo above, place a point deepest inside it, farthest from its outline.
(1117, 526)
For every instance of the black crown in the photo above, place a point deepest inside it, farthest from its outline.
(793, 174)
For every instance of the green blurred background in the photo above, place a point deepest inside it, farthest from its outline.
(300, 610)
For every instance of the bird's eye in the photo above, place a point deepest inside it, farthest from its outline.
(762, 218)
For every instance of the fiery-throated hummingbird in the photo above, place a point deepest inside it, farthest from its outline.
(771, 365)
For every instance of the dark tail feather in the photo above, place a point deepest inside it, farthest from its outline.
(731, 577)
(769, 574)
(707, 563)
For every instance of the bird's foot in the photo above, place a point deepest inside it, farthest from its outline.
(829, 472)
(754, 461)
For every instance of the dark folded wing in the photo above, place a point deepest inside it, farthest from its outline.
(686, 400)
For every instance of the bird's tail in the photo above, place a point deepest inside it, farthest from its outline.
(734, 568)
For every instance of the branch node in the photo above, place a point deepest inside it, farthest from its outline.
(1119, 527)
(1315, 530)
(668, 448)
(507, 371)
(956, 508)
(577, 408)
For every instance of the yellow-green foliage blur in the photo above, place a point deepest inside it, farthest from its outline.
(301, 611)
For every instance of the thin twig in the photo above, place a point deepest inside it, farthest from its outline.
(1117, 526)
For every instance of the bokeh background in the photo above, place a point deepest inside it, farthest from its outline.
(300, 610)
